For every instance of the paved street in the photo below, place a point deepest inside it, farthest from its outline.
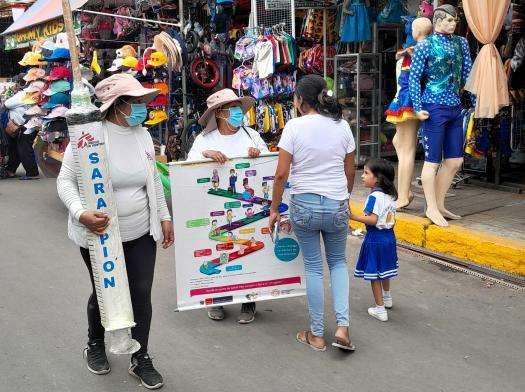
(448, 331)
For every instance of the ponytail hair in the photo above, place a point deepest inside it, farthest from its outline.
(385, 174)
(313, 91)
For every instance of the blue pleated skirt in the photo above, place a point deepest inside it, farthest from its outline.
(378, 255)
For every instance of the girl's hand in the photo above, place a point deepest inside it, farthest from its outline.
(275, 217)
(217, 156)
(97, 222)
(254, 152)
(167, 232)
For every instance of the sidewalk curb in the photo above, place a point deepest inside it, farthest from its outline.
(472, 245)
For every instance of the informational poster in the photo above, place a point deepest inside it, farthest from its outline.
(224, 251)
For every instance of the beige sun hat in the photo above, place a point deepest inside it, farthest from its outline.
(218, 99)
(122, 85)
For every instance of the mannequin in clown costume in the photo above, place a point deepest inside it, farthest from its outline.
(443, 62)
(401, 113)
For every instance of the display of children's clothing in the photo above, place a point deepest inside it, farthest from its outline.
(401, 108)
(357, 24)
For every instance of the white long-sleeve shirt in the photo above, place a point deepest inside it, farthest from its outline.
(136, 185)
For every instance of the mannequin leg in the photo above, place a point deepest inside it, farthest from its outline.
(405, 142)
(443, 181)
(428, 178)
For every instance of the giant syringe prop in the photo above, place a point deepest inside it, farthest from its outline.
(96, 191)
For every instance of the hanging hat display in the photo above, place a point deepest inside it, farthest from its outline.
(130, 62)
(34, 74)
(59, 55)
(59, 72)
(32, 59)
(58, 86)
(157, 59)
(56, 100)
(156, 117)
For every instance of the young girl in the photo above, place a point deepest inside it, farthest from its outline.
(378, 257)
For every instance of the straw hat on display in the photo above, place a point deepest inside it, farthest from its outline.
(216, 101)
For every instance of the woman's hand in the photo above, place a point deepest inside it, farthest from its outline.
(275, 217)
(254, 152)
(217, 156)
(167, 232)
(96, 222)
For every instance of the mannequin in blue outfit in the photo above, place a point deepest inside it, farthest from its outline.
(443, 61)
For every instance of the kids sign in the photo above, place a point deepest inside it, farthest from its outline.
(27, 37)
(107, 255)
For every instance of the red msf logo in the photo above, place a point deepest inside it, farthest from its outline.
(84, 140)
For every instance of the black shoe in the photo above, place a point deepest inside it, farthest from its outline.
(141, 367)
(247, 313)
(95, 355)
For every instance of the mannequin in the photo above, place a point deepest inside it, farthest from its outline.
(443, 61)
(401, 113)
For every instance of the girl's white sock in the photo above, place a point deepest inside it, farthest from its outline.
(386, 293)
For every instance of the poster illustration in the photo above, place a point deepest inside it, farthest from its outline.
(224, 251)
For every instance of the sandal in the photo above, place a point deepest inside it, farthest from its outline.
(307, 341)
(29, 178)
(343, 344)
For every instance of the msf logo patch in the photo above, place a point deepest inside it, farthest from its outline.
(86, 140)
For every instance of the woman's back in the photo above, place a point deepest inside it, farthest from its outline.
(318, 145)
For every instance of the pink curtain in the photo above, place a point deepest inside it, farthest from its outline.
(487, 79)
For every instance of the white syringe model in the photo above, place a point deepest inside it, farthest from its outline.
(96, 191)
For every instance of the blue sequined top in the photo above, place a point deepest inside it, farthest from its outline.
(443, 63)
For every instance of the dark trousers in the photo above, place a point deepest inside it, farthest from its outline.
(20, 150)
(140, 257)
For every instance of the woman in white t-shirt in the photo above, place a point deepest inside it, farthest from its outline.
(316, 151)
(225, 137)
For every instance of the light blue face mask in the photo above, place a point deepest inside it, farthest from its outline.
(138, 114)
(236, 117)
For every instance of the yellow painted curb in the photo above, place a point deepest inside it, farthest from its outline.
(496, 252)
(490, 250)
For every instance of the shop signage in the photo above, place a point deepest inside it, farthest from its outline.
(277, 5)
(27, 37)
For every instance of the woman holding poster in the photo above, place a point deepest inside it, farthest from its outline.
(224, 137)
(319, 149)
(141, 209)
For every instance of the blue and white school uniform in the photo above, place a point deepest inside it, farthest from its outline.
(378, 255)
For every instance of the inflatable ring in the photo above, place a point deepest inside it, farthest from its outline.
(205, 73)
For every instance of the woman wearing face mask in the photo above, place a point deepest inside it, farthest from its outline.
(225, 137)
(317, 151)
(142, 213)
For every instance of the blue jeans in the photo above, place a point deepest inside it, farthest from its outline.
(312, 215)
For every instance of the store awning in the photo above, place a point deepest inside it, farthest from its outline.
(40, 12)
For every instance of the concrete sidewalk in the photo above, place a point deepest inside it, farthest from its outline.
(448, 331)
(491, 232)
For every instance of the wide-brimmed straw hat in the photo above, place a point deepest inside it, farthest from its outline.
(122, 85)
(218, 99)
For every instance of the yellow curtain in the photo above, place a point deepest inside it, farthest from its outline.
(487, 79)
